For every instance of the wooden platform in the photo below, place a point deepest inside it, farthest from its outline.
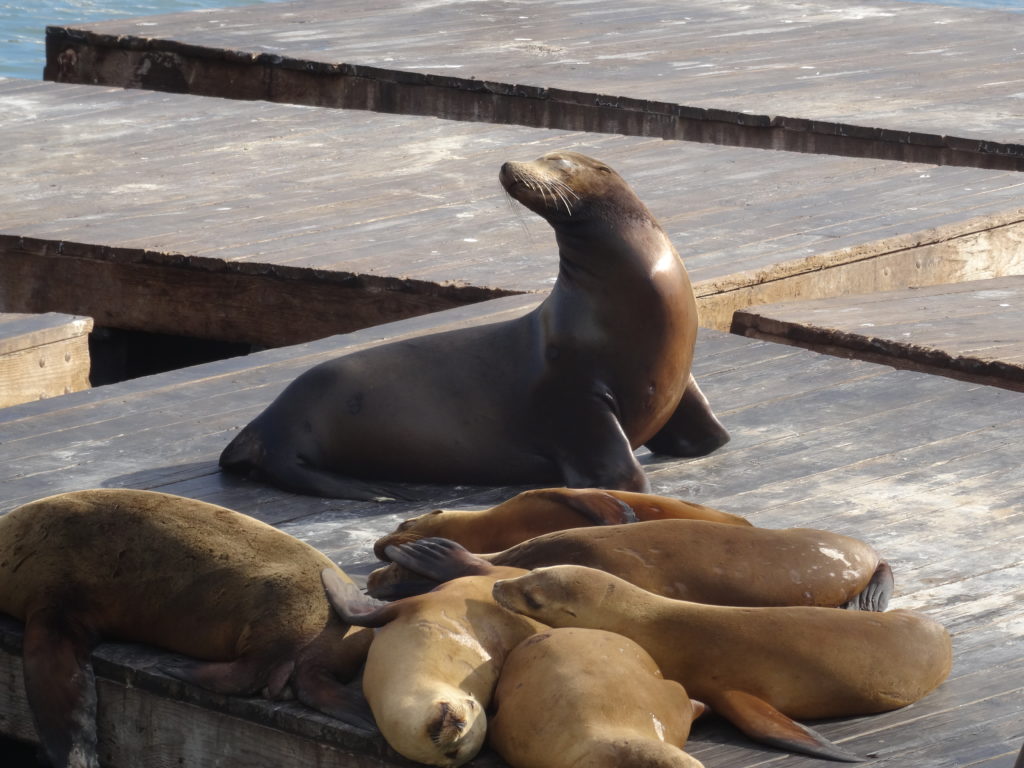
(910, 81)
(42, 356)
(972, 330)
(274, 224)
(925, 468)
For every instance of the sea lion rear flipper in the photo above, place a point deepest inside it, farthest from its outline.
(761, 722)
(393, 582)
(248, 455)
(598, 507)
(692, 430)
(353, 606)
(242, 677)
(60, 687)
(438, 559)
(875, 596)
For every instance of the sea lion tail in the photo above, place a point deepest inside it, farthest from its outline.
(762, 722)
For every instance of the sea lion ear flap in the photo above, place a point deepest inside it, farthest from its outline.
(599, 507)
(762, 722)
(438, 559)
(353, 606)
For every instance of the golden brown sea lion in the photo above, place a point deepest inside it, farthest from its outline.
(180, 574)
(757, 667)
(544, 510)
(434, 662)
(586, 698)
(701, 561)
(564, 393)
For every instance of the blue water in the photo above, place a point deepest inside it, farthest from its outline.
(23, 22)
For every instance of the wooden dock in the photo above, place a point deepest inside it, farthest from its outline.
(906, 81)
(925, 468)
(274, 224)
(264, 218)
(972, 331)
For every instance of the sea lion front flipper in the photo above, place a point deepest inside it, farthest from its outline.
(589, 445)
(875, 596)
(60, 687)
(762, 722)
(438, 559)
(353, 606)
(692, 429)
(598, 507)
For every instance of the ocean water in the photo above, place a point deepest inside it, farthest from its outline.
(23, 22)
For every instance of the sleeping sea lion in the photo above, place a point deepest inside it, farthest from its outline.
(544, 510)
(757, 667)
(244, 600)
(434, 662)
(701, 561)
(572, 697)
(564, 393)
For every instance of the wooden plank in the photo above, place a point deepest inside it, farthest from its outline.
(910, 81)
(924, 467)
(275, 224)
(970, 330)
(42, 356)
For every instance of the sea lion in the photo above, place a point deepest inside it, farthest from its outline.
(434, 662)
(700, 561)
(544, 510)
(564, 393)
(585, 697)
(244, 600)
(757, 667)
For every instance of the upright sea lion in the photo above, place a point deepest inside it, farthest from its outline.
(563, 393)
(569, 698)
(434, 662)
(700, 561)
(544, 510)
(757, 667)
(245, 599)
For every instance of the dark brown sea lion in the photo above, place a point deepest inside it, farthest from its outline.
(434, 662)
(544, 510)
(757, 667)
(564, 393)
(586, 698)
(701, 561)
(218, 586)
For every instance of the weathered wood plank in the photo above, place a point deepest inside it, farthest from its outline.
(908, 81)
(42, 356)
(276, 224)
(925, 468)
(972, 330)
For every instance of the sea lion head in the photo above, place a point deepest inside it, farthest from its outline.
(563, 186)
(558, 595)
(446, 730)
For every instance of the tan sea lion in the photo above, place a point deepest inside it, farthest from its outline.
(569, 698)
(544, 510)
(701, 561)
(244, 600)
(434, 662)
(564, 393)
(757, 667)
